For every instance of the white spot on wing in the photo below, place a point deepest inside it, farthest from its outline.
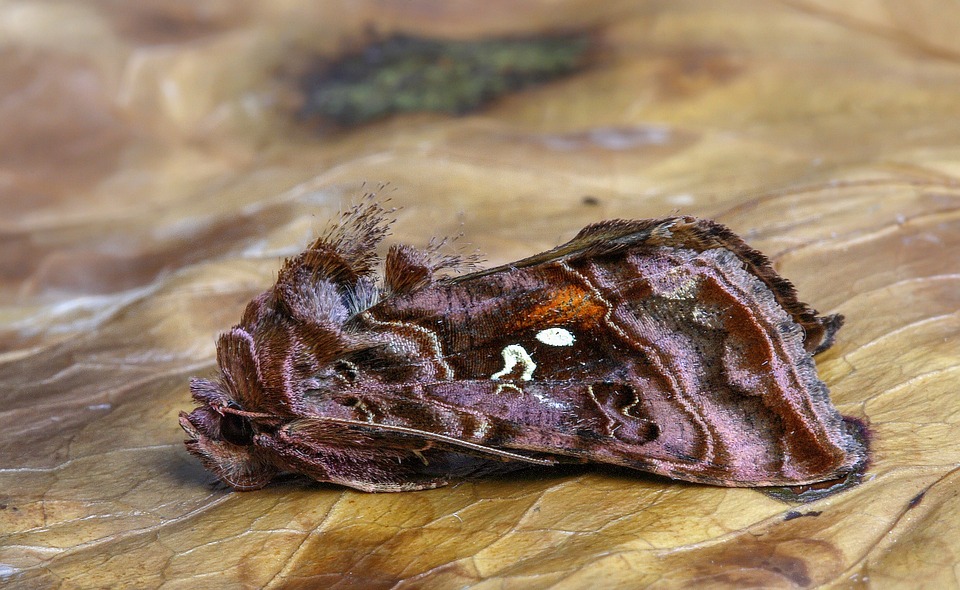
(556, 337)
(512, 355)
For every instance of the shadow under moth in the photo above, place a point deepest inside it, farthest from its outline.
(664, 345)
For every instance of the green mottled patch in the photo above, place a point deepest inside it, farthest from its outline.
(407, 74)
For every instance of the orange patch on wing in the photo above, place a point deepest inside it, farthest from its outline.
(569, 304)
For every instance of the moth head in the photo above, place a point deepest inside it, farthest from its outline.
(288, 349)
(224, 428)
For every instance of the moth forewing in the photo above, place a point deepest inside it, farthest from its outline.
(665, 345)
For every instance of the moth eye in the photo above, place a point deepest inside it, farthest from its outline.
(236, 430)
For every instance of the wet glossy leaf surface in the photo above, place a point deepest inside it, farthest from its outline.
(154, 175)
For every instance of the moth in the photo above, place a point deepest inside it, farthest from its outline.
(664, 345)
